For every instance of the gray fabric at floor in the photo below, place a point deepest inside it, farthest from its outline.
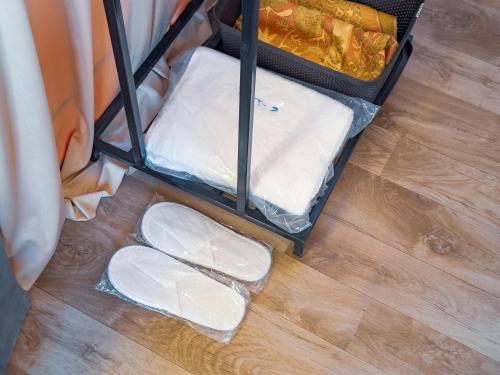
(14, 305)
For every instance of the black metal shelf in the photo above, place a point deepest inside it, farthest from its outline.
(137, 156)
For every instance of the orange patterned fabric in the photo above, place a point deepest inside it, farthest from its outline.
(357, 48)
(368, 18)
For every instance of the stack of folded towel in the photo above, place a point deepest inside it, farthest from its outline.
(297, 133)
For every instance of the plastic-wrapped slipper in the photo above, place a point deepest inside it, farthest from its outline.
(186, 234)
(155, 280)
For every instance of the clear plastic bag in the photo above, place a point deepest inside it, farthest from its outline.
(297, 134)
(197, 240)
(211, 303)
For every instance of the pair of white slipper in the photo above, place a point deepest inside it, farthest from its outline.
(157, 280)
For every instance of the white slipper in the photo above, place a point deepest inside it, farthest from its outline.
(153, 279)
(186, 234)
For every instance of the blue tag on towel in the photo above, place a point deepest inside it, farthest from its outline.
(270, 108)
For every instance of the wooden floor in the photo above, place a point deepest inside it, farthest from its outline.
(401, 275)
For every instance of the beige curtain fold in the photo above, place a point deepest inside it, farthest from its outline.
(68, 64)
(30, 190)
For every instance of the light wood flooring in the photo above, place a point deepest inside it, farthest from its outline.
(402, 272)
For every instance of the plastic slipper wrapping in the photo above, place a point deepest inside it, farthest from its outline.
(150, 279)
(297, 134)
(195, 239)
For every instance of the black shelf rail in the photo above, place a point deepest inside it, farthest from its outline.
(136, 157)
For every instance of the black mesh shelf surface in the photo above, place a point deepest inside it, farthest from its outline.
(269, 57)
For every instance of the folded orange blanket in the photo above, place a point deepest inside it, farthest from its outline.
(352, 48)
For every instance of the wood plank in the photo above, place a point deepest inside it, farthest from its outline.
(37, 354)
(87, 344)
(431, 296)
(376, 146)
(471, 28)
(430, 108)
(445, 180)
(420, 227)
(447, 125)
(455, 73)
(312, 301)
(397, 344)
(335, 360)
(456, 51)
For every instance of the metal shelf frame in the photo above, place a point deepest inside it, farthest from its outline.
(136, 157)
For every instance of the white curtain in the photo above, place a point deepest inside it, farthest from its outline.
(57, 75)
(30, 191)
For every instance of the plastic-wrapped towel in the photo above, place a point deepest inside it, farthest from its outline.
(297, 133)
(188, 235)
(156, 281)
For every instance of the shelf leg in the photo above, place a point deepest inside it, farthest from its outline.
(298, 248)
(248, 55)
(118, 36)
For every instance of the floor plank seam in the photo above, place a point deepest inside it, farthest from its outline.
(429, 197)
(319, 338)
(408, 136)
(447, 93)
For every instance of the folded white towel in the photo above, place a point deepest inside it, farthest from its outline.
(153, 279)
(186, 234)
(297, 132)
